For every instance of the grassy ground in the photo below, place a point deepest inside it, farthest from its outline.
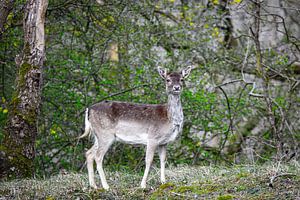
(203, 182)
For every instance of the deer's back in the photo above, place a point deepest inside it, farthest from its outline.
(115, 111)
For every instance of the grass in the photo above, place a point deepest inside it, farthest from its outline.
(185, 182)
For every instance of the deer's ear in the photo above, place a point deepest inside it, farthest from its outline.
(186, 72)
(162, 72)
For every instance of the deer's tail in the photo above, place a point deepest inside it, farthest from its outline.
(88, 127)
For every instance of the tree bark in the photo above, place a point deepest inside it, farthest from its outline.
(17, 150)
(5, 8)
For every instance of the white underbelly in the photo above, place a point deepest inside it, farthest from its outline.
(138, 133)
(132, 132)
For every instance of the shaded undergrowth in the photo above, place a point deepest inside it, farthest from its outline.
(185, 182)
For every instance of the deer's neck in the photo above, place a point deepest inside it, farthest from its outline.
(175, 113)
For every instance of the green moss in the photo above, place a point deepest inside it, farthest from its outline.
(242, 175)
(241, 188)
(225, 197)
(30, 115)
(185, 188)
(23, 70)
(15, 101)
(26, 48)
(196, 189)
(22, 166)
(168, 189)
(100, 190)
(161, 191)
(166, 185)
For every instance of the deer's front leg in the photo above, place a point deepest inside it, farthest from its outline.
(149, 158)
(162, 151)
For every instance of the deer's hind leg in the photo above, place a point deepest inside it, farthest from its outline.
(90, 157)
(104, 142)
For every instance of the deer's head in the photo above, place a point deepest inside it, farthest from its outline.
(174, 80)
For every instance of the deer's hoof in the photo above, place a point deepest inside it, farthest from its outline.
(94, 186)
(143, 185)
(106, 187)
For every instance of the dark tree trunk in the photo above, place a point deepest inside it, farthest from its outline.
(5, 8)
(17, 151)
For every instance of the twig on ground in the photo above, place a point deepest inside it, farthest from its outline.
(273, 178)
(181, 195)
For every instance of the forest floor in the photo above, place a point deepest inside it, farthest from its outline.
(269, 181)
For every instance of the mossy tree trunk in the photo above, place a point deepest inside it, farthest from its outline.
(17, 150)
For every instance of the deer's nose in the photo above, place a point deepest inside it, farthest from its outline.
(176, 87)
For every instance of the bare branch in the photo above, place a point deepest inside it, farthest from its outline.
(229, 82)
(273, 178)
(124, 91)
(282, 7)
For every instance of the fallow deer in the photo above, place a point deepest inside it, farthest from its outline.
(153, 125)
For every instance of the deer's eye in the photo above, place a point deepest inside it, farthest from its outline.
(181, 80)
(168, 80)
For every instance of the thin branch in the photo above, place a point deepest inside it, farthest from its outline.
(60, 149)
(182, 195)
(251, 93)
(168, 15)
(246, 58)
(124, 91)
(229, 82)
(261, 140)
(230, 127)
(281, 7)
(273, 178)
(278, 73)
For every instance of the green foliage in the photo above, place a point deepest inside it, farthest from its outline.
(78, 72)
